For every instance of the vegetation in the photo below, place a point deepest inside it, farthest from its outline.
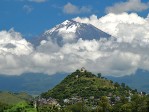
(84, 84)
(81, 91)
(16, 102)
(97, 94)
(10, 98)
(21, 107)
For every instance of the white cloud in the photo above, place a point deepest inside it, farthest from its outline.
(11, 42)
(124, 26)
(118, 56)
(129, 5)
(13, 49)
(73, 9)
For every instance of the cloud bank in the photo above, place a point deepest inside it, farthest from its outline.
(120, 55)
(126, 27)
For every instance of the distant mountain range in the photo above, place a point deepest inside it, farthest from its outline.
(37, 83)
(31, 83)
(139, 80)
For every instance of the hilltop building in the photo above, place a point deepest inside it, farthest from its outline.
(82, 69)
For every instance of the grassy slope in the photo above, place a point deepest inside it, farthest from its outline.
(11, 99)
(85, 85)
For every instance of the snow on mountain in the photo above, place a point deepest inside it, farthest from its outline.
(70, 31)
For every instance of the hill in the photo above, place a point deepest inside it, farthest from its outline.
(35, 84)
(16, 102)
(85, 84)
(13, 98)
(82, 91)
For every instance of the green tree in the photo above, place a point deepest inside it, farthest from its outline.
(126, 107)
(48, 108)
(104, 104)
(21, 107)
(139, 103)
(116, 84)
(3, 107)
(78, 107)
(99, 75)
(123, 85)
(123, 99)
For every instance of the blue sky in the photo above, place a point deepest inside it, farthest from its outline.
(32, 17)
(126, 20)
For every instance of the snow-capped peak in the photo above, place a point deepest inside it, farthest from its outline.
(67, 26)
(66, 22)
(70, 31)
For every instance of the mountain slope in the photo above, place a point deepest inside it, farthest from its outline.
(85, 84)
(71, 31)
